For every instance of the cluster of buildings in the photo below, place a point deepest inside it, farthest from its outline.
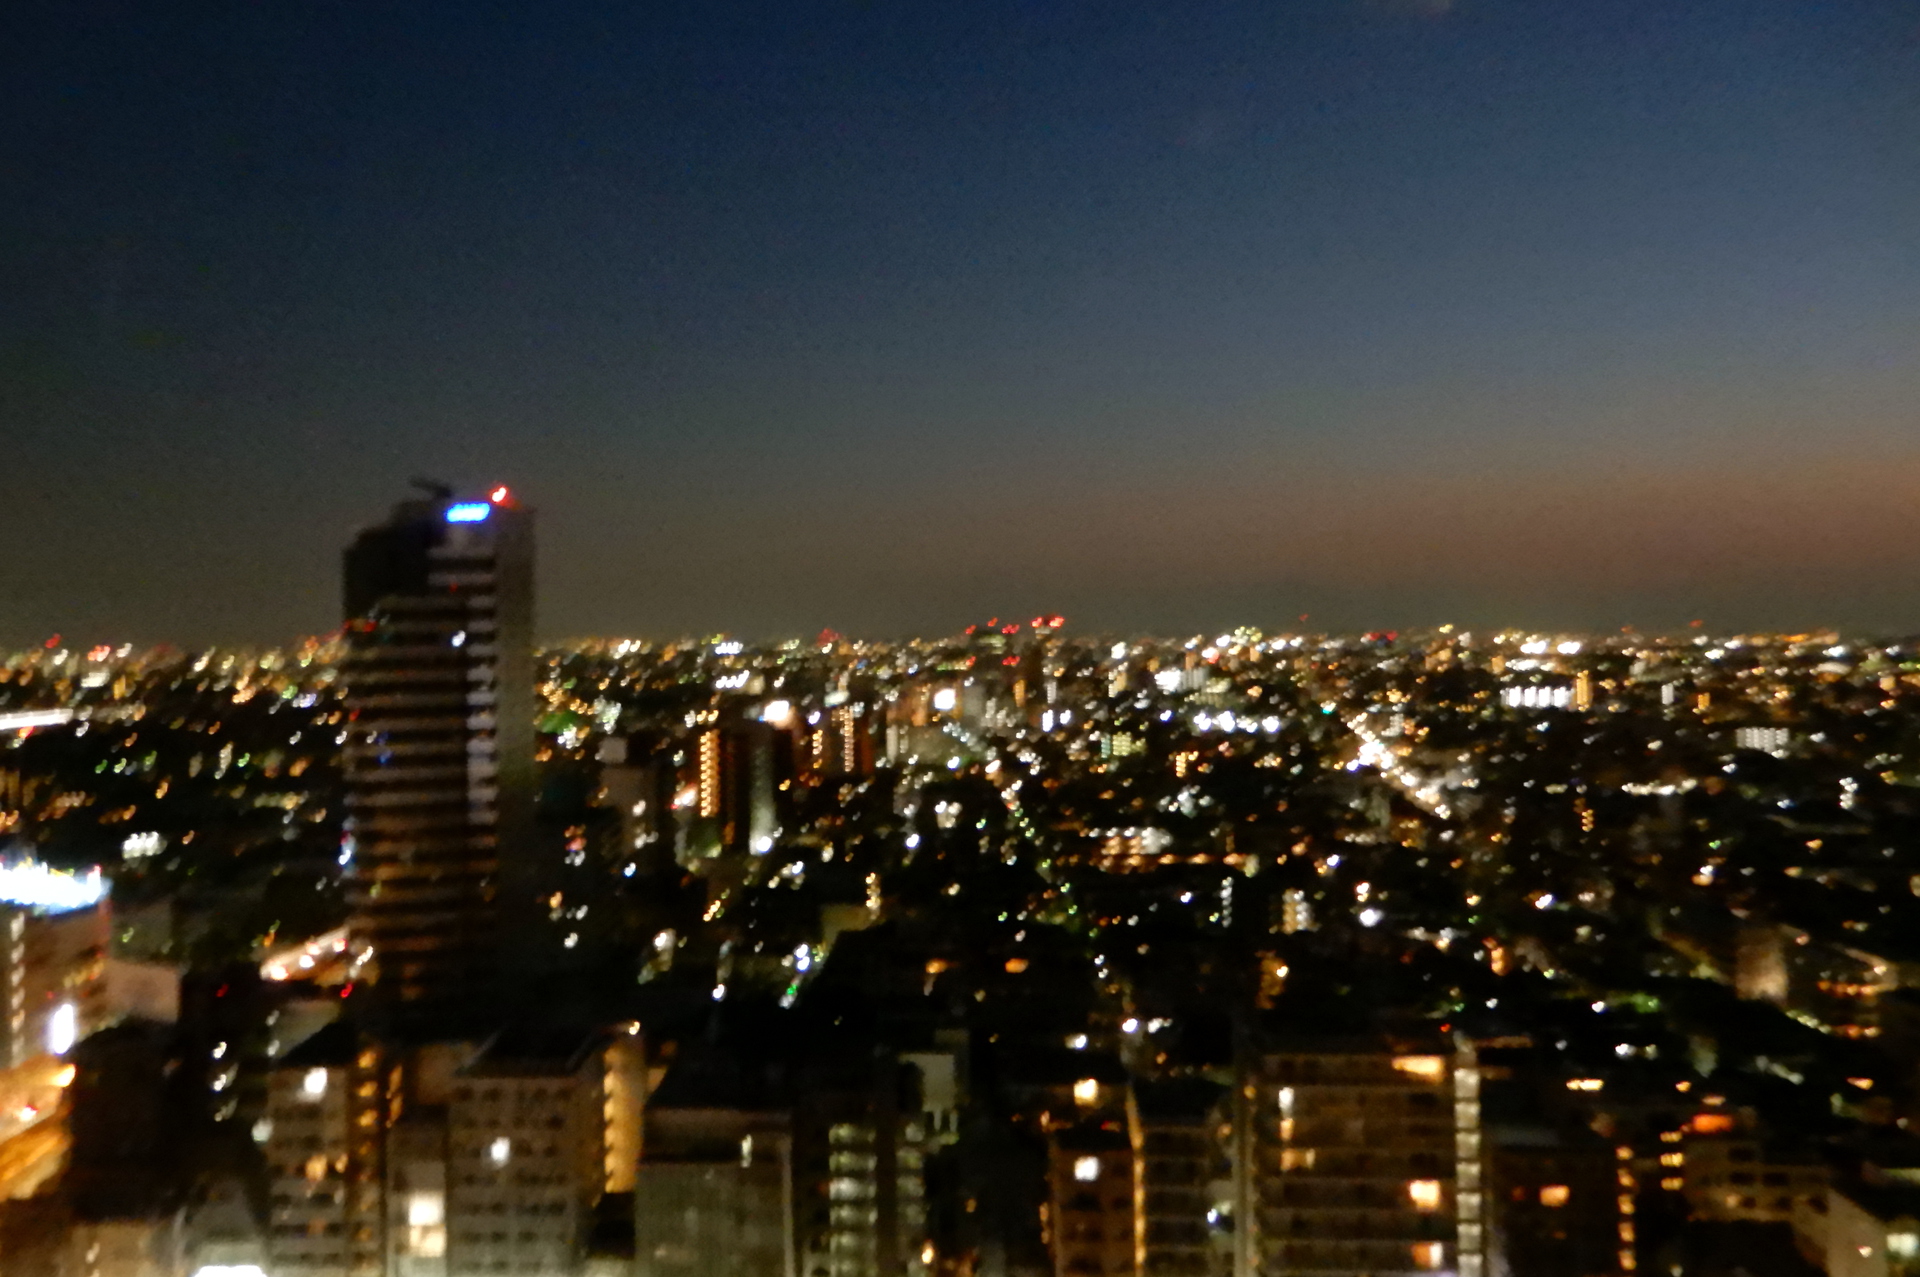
(419, 952)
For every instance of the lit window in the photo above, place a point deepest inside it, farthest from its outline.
(1086, 1091)
(1554, 1195)
(63, 1029)
(1429, 1255)
(314, 1084)
(1428, 1068)
(1424, 1194)
(425, 1208)
(1086, 1169)
(499, 1151)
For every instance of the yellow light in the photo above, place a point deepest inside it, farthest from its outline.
(1585, 1083)
(1428, 1068)
(65, 1076)
(1554, 1195)
(1086, 1091)
(1424, 1194)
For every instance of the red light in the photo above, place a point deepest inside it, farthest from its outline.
(498, 495)
(346, 988)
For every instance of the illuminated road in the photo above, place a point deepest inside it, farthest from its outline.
(29, 1160)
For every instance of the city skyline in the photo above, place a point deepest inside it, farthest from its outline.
(1384, 312)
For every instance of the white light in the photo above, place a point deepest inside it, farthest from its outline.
(945, 699)
(729, 648)
(37, 886)
(23, 719)
(229, 1270)
(426, 1208)
(63, 1029)
(1086, 1169)
(778, 713)
(459, 639)
(1545, 901)
(1130, 1025)
(140, 846)
(1370, 917)
(500, 1150)
(314, 1084)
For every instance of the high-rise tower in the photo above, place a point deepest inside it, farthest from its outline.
(439, 750)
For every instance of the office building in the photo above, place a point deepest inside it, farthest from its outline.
(438, 754)
(445, 1160)
(1094, 1225)
(714, 1193)
(54, 929)
(1363, 1157)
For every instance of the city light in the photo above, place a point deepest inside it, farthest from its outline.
(63, 1029)
(468, 512)
(33, 885)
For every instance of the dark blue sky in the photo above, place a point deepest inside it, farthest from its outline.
(882, 315)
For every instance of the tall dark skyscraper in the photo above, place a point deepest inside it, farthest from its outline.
(439, 750)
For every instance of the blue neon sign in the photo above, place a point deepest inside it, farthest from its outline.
(468, 512)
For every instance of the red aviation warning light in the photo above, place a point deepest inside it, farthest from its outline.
(499, 495)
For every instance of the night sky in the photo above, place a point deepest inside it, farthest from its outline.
(889, 316)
